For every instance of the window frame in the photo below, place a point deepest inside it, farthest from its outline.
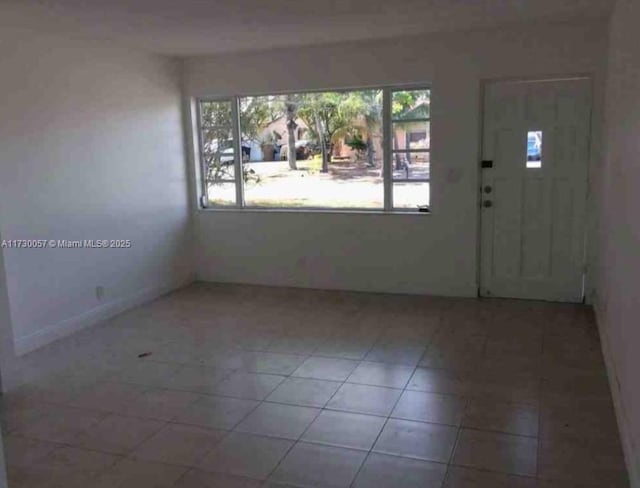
(387, 156)
(204, 197)
(408, 150)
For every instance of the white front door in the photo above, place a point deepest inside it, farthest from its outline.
(536, 142)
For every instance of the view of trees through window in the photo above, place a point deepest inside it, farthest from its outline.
(318, 150)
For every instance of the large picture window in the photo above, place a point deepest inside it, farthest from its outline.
(352, 150)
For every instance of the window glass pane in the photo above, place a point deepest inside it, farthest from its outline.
(410, 145)
(411, 104)
(283, 138)
(222, 193)
(217, 151)
(215, 114)
(534, 149)
(410, 195)
(410, 166)
(411, 135)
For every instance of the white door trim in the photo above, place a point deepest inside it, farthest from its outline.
(582, 215)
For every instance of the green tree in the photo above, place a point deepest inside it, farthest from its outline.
(366, 109)
(256, 113)
(216, 137)
(291, 104)
(329, 118)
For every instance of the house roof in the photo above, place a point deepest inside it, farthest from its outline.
(420, 111)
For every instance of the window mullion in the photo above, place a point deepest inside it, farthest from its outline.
(386, 152)
(204, 198)
(237, 149)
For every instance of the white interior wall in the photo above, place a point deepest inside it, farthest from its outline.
(7, 350)
(92, 148)
(618, 296)
(433, 254)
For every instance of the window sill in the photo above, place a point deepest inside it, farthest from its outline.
(310, 211)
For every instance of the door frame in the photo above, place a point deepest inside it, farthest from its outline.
(595, 82)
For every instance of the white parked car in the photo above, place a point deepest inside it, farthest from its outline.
(227, 156)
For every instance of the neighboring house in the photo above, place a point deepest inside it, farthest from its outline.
(411, 134)
(279, 126)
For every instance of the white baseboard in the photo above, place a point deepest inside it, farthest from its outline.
(459, 291)
(29, 343)
(629, 444)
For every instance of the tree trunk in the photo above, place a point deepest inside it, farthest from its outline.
(370, 162)
(398, 161)
(323, 143)
(291, 132)
(327, 148)
(407, 144)
(291, 147)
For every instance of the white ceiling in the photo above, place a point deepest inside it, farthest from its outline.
(183, 27)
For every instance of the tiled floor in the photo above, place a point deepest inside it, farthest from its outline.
(262, 387)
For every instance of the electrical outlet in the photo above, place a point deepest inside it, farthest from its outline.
(99, 292)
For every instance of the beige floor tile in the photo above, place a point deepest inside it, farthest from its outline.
(271, 362)
(246, 455)
(504, 453)
(203, 479)
(391, 471)
(429, 442)
(591, 462)
(568, 484)
(316, 465)
(306, 392)
(56, 389)
(67, 467)
(508, 418)
(111, 397)
(145, 373)
(160, 404)
(579, 420)
(430, 407)
(459, 339)
(215, 349)
(575, 382)
(294, 345)
(216, 412)
(440, 381)
(179, 444)
(321, 368)
(130, 473)
(343, 429)
(249, 386)
(199, 379)
(511, 365)
(381, 374)
(585, 354)
(374, 400)
(224, 358)
(15, 416)
(458, 477)
(416, 331)
(116, 434)
(20, 451)
(61, 424)
(406, 355)
(452, 359)
(343, 349)
(278, 420)
(510, 345)
(516, 389)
